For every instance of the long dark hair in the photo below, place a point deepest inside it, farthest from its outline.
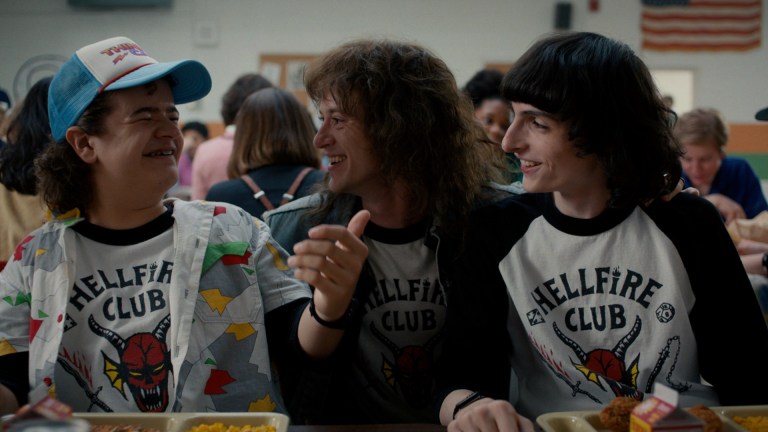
(29, 134)
(421, 125)
(607, 95)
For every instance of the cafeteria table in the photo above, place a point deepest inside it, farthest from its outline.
(369, 428)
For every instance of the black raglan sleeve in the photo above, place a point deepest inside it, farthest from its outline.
(477, 347)
(13, 374)
(731, 334)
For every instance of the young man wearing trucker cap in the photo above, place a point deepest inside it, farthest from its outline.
(125, 301)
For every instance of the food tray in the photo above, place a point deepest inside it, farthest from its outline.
(181, 422)
(742, 411)
(589, 421)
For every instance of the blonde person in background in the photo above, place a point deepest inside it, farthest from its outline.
(728, 182)
(754, 251)
(273, 160)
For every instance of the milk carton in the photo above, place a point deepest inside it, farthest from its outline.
(661, 413)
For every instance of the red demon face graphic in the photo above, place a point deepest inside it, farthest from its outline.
(608, 365)
(144, 365)
(412, 368)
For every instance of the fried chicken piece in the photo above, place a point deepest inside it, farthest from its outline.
(615, 416)
(712, 422)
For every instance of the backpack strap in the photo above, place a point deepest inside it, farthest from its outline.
(289, 195)
(258, 193)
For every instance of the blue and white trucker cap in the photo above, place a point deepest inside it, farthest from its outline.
(114, 64)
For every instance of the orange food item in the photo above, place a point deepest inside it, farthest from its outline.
(753, 423)
(615, 416)
(712, 422)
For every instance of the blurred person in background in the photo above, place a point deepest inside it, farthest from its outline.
(754, 251)
(29, 134)
(492, 111)
(728, 182)
(273, 160)
(5, 109)
(194, 133)
(212, 158)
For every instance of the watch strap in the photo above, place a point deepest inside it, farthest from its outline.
(339, 324)
(474, 396)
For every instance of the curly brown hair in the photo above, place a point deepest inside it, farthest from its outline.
(63, 178)
(420, 123)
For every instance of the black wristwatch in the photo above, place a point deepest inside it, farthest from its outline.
(466, 401)
(765, 262)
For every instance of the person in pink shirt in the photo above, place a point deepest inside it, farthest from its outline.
(195, 133)
(210, 163)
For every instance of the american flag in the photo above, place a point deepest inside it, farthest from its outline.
(701, 25)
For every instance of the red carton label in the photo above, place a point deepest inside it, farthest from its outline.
(657, 415)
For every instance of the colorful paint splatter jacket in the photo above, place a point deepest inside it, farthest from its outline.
(227, 274)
